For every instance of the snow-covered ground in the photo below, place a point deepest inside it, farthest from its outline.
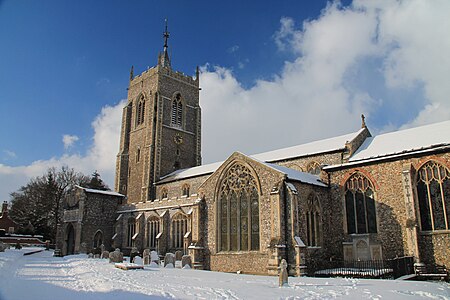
(41, 276)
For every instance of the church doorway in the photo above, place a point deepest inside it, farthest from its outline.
(70, 240)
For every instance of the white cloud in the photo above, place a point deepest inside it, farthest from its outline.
(359, 59)
(101, 156)
(69, 140)
(233, 49)
(9, 154)
(386, 59)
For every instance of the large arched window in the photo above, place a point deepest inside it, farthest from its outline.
(314, 168)
(153, 231)
(179, 229)
(360, 205)
(238, 209)
(140, 111)
(433, 190)
(313, 221)
(177, 111)
(131, 231)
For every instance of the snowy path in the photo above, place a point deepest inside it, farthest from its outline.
(41, 276)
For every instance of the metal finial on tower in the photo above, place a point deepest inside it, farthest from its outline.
(132, 73)
(363, 121)
(165, 57)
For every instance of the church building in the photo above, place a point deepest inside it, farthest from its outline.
(352, 197)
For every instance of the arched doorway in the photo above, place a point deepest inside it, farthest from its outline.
(70, 239)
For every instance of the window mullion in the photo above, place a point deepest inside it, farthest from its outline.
(354, 211)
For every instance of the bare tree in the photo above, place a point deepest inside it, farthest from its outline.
(38, 203)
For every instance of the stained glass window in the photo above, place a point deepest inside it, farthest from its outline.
(360, 205)
(433, 190)
(238, 211)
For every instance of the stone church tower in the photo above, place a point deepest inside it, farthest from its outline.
(161, 128)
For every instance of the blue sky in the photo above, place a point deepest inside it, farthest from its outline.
(305, 69)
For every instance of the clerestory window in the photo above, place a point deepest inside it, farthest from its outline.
(238, 211)
(433, 191)
(360, 205)
(314, 168)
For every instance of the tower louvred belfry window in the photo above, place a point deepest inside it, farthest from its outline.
(433, 190)
(238, 208)
(360, 205)
(140, 111)
(177, 111)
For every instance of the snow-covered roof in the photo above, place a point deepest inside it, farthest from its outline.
(191, 172)
(111, 193)
(404, 141)
(297, 175)
(316, 147)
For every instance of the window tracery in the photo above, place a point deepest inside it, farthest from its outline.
(179, 229)
(163, 193)
(238, 208)
(140, 111)
(185, 190)
(153, 231)
(177, 111)
(433, 191)
(314, 168)
(360, 205)
(313, 221)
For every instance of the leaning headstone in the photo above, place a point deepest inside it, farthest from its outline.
(154, 257)
(138, 260)
(91, 255)
(146, 256)
(105, 254)
(186, 262)
(283, 275)
(116, 256)
(178, 255)
(169, 259)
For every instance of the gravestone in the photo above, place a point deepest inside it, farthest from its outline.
(2, 247)
(91, 255)
(105, 254)
(154, 257)
(178, 255)
(283, 275)
(102, 248)
(146, 256)
(138, 260)
(116, 256)
(134, 252)
(169, 259)
(186, 262)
